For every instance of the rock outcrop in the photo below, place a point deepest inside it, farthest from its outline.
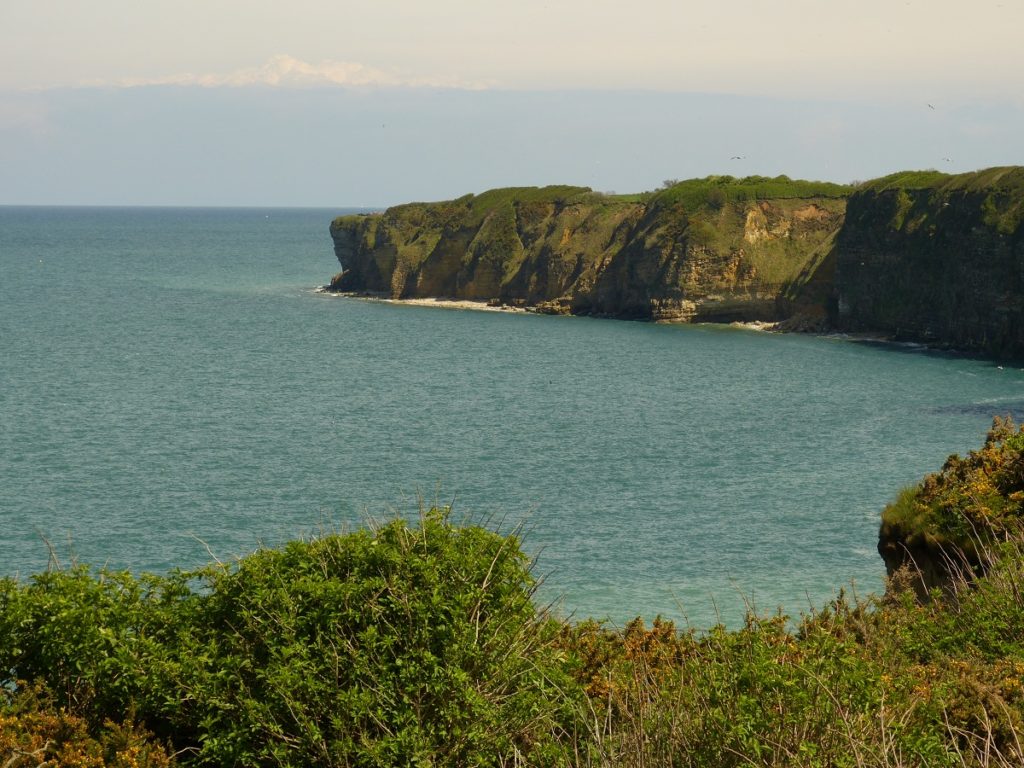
(947, 530)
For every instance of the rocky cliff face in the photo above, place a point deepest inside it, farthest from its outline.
(936, 258)
(712, 249)
(922, 256)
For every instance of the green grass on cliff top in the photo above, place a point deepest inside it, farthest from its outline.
(717, 190)
(493, 198)
(481, 205)
(1010, 178)
(692, 192)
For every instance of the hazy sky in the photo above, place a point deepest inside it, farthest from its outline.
(340, 103)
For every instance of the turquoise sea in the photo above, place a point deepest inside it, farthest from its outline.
(172, 386)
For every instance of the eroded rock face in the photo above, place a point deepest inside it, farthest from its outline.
(913, 561)
(941, 263)
(921, 256)
(569, 250)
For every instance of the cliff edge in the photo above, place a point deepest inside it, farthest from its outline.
(945, 529)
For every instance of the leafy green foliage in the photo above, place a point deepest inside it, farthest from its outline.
(392, 647)
(397, 646)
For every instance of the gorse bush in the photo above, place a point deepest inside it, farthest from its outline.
(33, 733)
(972, 501)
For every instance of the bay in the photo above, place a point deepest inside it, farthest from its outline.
(172, 386)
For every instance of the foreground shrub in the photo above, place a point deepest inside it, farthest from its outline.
(33, 732)
(421, 645)
(399, 646)
(402, 645)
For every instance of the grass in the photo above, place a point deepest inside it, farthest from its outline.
(905, 180)
(714, 191)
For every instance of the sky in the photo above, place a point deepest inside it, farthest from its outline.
(315, 103)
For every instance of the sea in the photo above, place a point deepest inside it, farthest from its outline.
(173, 389)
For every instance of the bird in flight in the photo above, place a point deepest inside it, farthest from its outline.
(738, 157)
(930, 107)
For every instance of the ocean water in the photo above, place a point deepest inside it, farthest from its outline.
(172, 388)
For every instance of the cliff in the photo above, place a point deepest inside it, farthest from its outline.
(923, 256)
(715, 249)
(935, 258)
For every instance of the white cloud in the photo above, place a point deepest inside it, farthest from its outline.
(284, 71)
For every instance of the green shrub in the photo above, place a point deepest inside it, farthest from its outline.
(973, 500)
(391, 647)
(96, 641)
(397, 646)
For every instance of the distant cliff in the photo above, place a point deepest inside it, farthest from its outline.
(923, 256)
(935, 258)
(715, 249)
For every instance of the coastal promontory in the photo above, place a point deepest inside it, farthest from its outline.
(715, 249)
(921, 256)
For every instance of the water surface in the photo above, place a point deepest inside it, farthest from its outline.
(169, 381)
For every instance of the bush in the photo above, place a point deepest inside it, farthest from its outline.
(402, 645)
(399, 646)
(973, 501)
(33, 732)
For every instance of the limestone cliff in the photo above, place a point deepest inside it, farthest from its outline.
(710, 249)
(936, 258)
(923, 256)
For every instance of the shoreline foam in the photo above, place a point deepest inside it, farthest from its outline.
(440, 303)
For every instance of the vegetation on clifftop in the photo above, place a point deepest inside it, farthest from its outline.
(718, 190)
(421, 645)
(1009, 178)
(970, 504)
